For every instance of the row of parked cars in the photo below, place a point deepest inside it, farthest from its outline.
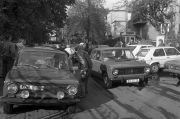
(133, 64)
(44, 76)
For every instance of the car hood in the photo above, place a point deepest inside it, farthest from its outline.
(34, 75)
(126, 64)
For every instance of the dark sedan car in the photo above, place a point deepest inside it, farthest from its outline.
(118, 64)
(40, 76)
(173, 67)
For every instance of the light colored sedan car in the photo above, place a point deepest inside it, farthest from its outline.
(157, 56)
(137, 47)
(114, 64)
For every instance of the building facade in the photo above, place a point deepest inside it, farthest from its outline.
(117, 21)
(147, 32)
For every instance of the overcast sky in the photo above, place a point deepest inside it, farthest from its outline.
(109, 3)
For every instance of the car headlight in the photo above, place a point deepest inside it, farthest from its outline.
(60, 95)
(171, 67)
(24, 94)
(147, 69)
(115, 72)
(72, 90)
(12, 88)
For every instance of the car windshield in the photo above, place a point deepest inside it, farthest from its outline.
(43, 59)
(120, 54)
(143, 52)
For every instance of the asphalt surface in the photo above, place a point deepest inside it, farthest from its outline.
(159, 100)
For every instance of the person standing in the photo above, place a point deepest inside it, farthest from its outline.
(85, 68)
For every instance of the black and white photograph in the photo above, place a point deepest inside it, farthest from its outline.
(89, 59)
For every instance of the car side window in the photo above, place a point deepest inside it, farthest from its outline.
(158, 53)
(97, 55)
(171, 51)
(93, 54)
(143, 46)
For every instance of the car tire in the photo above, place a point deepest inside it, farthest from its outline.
(155, 68)
(107, 81)
(7, 108)
(71, 109)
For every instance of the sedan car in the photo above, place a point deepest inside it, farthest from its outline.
(40, 76)
(157, 56)
(173, 67)
(118, 64)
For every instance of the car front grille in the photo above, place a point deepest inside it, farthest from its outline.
(127, 71)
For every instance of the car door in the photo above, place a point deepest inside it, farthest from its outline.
(97, 63)
(159, 57)
(96, 59)
(172, 53)
(93, 56)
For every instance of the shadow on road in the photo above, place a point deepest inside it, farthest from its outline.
(30, 108)
(97, 95)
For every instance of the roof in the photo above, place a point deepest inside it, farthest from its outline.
(41, 49)
(141, 45)
(111, 48)
(158, 47)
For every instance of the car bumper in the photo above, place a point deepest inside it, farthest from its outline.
(124, 78)
(50, 102)
(172, 71)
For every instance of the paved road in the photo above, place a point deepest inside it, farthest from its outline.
(159, 100)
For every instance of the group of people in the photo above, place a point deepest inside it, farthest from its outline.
(80, 57)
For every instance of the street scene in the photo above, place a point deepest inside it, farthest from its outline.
(90, 59)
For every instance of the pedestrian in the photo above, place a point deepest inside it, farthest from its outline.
(177, 46)
(119, 44)
(161, 43)
(85, 68)
(20, 44)
(8, 54)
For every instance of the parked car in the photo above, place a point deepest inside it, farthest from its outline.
(40, 76)
(172, 67)
(137, 47)
(157, 56)
(118, 64)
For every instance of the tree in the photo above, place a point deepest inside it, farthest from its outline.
(156, 12)
(32, 19)
(87, 17)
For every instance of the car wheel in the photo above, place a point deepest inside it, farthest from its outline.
(107, 81)
(7, 108)
(154, 68)
(71, 109)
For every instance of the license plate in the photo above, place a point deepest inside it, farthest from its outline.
(132, 81)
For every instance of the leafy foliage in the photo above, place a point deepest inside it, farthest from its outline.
(87, 18)
(32, 19)
(154, 11)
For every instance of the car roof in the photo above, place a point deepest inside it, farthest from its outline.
(158, 47)
(41, 49)
(111, 48)
(141, 45)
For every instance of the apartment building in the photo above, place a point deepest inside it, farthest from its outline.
(117, 20)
